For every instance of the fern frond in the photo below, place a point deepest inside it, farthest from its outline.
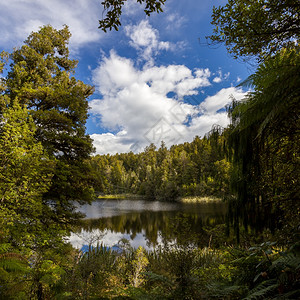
(218, 290)
(12, 255)
(13, 262)
(247, 83)
(290, 295)
(289, 260)
(263, 290)
(153, 277)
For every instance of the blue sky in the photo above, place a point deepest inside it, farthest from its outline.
(155, 79)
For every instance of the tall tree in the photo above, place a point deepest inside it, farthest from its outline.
(40, 78)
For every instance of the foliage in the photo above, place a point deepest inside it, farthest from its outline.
(25, 173)
(44, 154)
(256, 28)
(39, 77)
(198, 168)
(187, 273)
(43, 148)
(113, 10)
(13, 268)
(264, 137)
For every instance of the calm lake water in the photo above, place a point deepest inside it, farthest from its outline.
(146, 223)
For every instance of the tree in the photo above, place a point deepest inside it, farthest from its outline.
(264, 137)
(113, 11)
(256, 28)
(25, 174)
(40, 78)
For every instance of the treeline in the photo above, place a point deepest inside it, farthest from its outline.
(199, 168)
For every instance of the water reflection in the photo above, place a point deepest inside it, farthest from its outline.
(146, 223)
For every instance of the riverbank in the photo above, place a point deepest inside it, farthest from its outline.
(199, 199)
(121, 196)
(190, 199)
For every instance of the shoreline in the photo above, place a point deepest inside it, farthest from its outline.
(199, 199)
(187, 200)
(121, 196)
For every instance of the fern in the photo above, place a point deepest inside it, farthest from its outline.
(13, 262)
(291, 295)
(263, 290)
(218, 290)
(284, 274)
(289, 260)
(153, 277)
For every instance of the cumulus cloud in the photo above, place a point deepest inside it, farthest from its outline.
(20, 17)
(149, 105)
(213, 104)
(111, 143)
(145, 39)
(134, 99)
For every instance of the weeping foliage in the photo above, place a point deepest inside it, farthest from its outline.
(264, 139)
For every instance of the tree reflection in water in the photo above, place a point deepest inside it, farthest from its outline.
(184, 224)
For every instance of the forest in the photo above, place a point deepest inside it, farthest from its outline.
(253, 166)
(199, 168)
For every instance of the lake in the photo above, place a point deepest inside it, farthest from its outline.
(146, 223)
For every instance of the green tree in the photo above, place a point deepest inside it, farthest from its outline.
(25, 230)
(25, 174)
(40, 78)
(256, 28)
(113, 10)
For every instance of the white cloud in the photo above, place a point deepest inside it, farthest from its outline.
(175, 21)
(137, 104)
(220, 77)
(20, 17)
(131, 8)
(145, 39)
(212, 104)
(203, 124)
(217, 79)
(110, 143)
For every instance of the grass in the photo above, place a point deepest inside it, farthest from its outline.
(191, 199)
(120, 196)
(199, 199)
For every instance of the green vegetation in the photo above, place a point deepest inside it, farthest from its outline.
(183, 272)
(256, 28)
(120, 196)
(43, 153)
(199, 199)
(253, 164)
(192, 169)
